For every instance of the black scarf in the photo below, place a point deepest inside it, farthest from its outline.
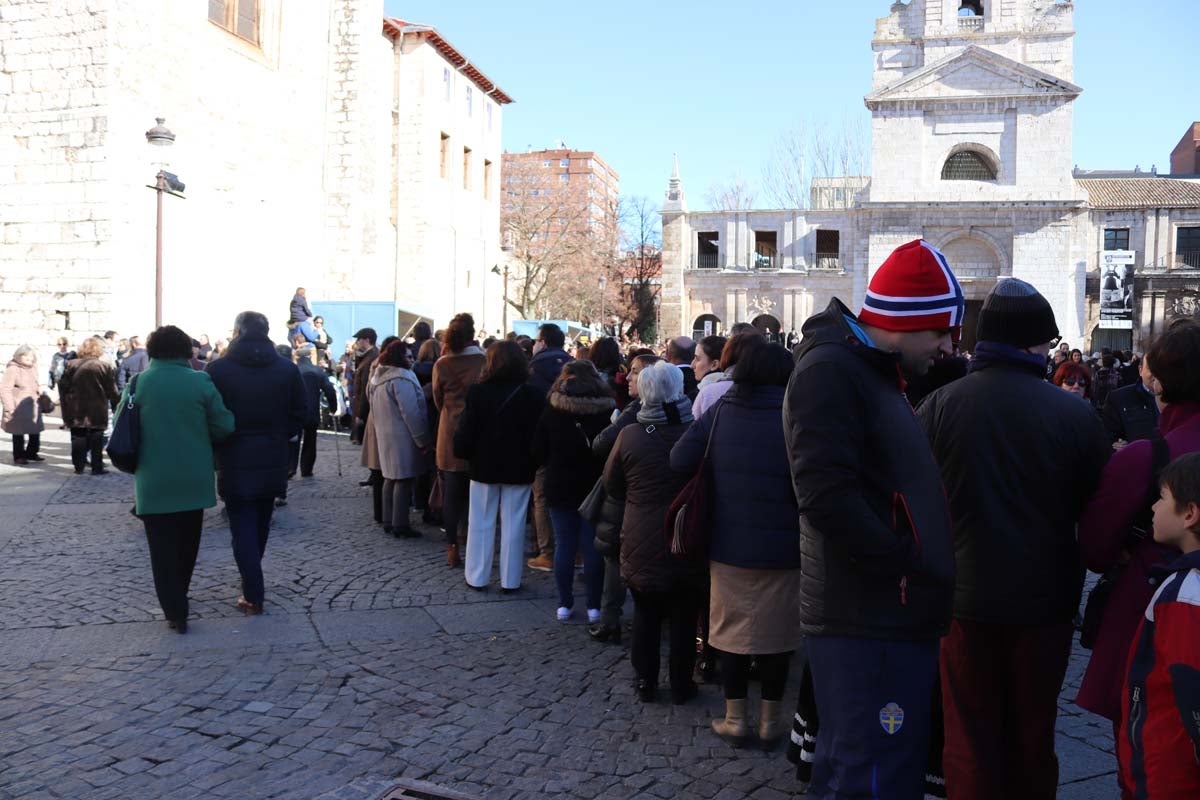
(992, 354)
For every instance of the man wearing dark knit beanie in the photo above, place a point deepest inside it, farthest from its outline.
(1019, 458)
(877, 586)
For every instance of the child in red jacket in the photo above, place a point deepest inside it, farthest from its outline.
(1159, 746)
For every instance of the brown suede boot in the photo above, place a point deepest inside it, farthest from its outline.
(771, 728)
(452, 559)
(733, 728)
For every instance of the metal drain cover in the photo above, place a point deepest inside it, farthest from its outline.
(419, 790)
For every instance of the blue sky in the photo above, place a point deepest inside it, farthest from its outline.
(717, 82)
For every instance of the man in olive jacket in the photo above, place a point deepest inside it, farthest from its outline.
(266, 395)
(877, 572)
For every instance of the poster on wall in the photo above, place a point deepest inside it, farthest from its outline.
(1116, 289)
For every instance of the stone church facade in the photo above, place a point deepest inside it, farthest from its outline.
(972, 113)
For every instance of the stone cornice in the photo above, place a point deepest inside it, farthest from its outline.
(978, 205)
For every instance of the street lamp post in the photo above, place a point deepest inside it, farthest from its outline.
(603, 286)
(161, 136)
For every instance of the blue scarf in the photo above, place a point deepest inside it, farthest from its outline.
(992, 354)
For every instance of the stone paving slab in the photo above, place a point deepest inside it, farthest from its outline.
(374, 662)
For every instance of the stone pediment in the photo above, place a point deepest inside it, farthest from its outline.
(974, 74)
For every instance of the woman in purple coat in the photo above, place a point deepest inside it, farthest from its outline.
(1125, 489)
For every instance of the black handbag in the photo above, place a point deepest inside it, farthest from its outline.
(126, 434)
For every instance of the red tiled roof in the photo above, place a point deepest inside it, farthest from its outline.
(392, 27)
(1140, 193)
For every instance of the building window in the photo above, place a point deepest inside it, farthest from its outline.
(829, 246)
(566, 162)
(446, 81)
(967, 165)
(564, 177)
(1187, 248)
(707, 250)
(239, 17)
(466, 168)
(1116, 238)
(547, 163)
(470, 101)
(487, 179)
(971, 8)
(445, 160)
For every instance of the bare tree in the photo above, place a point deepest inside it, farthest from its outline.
(807, 151)
(543, 222)
(733, 194)
(640, 269)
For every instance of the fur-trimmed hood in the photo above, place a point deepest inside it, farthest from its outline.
(581, 406)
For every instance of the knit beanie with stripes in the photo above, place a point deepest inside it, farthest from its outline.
(914, 290)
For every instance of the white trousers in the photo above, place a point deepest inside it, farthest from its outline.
(512, 503)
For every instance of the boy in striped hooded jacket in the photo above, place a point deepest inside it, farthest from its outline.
(1159, 746)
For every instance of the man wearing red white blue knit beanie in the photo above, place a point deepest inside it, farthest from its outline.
(877, 588)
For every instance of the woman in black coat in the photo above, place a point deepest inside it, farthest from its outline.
(88, 390)
(494, 436)
(755, 550)
(664, 588)
(581, 405)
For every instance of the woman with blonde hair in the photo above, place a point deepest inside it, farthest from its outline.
(88, 389)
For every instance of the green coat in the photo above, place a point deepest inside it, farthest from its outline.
(182, 414)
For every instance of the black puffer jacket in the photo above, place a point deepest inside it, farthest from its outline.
(755, 524)
(562, 444)
(266, 395)
(495, 432)
(1020, 458)
(878, 560)
(639, 471)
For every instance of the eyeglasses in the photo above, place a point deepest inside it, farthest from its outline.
(1075, 381)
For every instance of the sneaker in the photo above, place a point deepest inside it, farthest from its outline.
(593, 616)
(280, 502)
(563, 613)
(543, 563)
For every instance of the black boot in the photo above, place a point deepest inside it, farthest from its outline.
(79, 452)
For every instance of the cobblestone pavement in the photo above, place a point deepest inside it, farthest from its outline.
(373, 662)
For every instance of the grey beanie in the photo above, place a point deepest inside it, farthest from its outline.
(1016, 314)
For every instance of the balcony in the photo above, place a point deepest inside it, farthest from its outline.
(765, 262)
(1187, 259)
(707, 261)
(831, 262)
(970, 24)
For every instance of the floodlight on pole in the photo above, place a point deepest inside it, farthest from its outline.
(161, 136)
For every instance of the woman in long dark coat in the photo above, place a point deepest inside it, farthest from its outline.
(88, 389)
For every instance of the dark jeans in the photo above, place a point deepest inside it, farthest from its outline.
(87, 442)
(874, 700)
(21, 449)
(574, 533)
(303, 453)
(174, 541)
(679, 609)
(1000, 687)
(456, 504)
(397, 499)
(772, 671)
(612, 602)
(250, 524)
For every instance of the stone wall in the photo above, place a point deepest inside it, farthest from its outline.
(55, 221)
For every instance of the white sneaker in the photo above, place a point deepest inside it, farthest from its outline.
(564, 613)
(593, 616)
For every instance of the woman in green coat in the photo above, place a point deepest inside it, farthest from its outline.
(182, 414)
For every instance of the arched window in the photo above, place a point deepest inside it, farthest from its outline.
(971, 8)
(967, 165)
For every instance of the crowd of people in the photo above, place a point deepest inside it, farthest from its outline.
(912, 523)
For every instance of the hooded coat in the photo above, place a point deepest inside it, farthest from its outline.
(453, 375)
(878, 559)
(562, 443)
(266, 396)
(87, 389)
(401, 427)
(19, 391)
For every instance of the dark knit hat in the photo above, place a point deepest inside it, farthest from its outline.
(1016, 314)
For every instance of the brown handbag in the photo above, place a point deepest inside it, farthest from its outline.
(45, 404)
(436, 494)
(689, 519)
